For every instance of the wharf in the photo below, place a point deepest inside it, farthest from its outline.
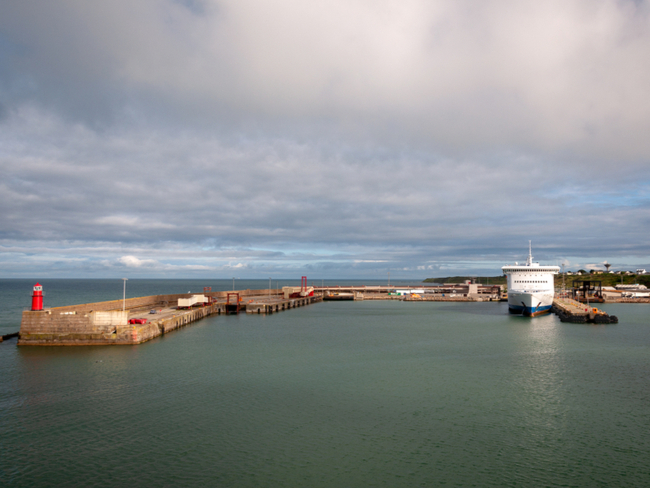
(449, 292)
(437, 298)
(266, 305)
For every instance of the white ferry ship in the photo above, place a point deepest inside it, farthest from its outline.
(530, 287)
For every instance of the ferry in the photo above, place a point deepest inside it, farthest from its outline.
(530, 287)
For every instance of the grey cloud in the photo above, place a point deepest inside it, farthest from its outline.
(552, 76)
(355, 137)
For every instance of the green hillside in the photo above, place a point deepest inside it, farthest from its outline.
(605, 279)
(483, 280)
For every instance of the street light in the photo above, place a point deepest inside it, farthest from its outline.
(269, 286)
(124, 295)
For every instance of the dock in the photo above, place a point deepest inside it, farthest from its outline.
(278, 304)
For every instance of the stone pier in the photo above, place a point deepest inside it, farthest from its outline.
(108, 323)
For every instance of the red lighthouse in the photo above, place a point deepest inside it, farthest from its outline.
(37, 298)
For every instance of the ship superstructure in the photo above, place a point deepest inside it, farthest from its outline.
(530, 287)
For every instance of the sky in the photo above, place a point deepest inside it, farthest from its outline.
(338, 139)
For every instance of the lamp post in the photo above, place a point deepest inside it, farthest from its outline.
(124, 295)
(269, 286)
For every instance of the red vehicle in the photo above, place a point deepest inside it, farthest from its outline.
(137, 321)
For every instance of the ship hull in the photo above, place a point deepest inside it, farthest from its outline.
(529, 304)
(530, 287)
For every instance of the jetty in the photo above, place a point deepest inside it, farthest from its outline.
(569, 310)
(136, 320)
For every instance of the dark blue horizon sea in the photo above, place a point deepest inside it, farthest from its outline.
(335, 394)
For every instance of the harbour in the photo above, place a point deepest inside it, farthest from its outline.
(282, 244)
(384, 392)
(139, 319)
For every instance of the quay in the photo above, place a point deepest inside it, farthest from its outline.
(465, 292)
(137, 320)
(270, 305)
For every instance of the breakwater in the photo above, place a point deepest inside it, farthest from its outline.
(569, 310)
(8, 336)
(137, 320)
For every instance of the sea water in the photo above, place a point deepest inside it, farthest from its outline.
(371, 393)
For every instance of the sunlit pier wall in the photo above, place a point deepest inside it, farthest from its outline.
(102, 323)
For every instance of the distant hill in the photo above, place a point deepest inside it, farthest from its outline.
(605, 279)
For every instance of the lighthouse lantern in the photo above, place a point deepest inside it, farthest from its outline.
(37, 298)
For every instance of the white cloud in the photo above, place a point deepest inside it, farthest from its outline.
(134, 262)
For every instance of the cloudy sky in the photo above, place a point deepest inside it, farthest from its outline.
(336, 139)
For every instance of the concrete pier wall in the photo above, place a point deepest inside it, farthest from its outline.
(569, 310)
(267, 307)
(49, 328)
(102, 323)
(152, 301)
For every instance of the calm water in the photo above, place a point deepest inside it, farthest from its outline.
(338, 395)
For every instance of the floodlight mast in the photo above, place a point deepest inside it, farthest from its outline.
(124, 295)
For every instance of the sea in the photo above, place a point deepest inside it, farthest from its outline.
(335, 394)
